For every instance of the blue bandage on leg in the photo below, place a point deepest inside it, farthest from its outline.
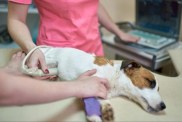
(92, 106)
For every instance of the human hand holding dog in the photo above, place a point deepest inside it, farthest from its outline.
(90, 86)
(37, 60)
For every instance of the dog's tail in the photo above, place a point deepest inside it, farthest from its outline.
(36, 71)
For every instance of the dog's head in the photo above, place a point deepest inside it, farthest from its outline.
(143, 87)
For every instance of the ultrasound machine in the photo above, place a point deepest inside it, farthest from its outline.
(158, 25)
(157, 22)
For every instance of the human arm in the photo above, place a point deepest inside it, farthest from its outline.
(17, 27)
(20, 33)
(22, 90)
(108, 23)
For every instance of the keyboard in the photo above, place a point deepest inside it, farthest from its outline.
(151, 40)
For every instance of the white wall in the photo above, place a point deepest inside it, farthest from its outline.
(120, 10)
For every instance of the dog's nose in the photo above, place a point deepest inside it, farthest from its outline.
(162, 106)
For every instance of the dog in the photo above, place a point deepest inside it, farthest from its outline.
(128, 78)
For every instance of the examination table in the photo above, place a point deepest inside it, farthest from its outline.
(125, 110)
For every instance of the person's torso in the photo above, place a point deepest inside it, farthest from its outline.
(70, 23)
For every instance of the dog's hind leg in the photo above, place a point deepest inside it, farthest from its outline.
(51, 63)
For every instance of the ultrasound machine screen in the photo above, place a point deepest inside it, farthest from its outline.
(160, 16)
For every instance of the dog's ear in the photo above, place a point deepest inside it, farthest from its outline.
(129, 64)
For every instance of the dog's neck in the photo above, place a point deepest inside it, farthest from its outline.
(119, 83)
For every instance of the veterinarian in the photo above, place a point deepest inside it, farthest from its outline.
(18, 89)
(73, 23)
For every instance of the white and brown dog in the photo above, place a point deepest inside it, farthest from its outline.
(126, 79)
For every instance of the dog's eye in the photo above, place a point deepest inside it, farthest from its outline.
(152, 83)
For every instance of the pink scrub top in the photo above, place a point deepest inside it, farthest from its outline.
(69, 23)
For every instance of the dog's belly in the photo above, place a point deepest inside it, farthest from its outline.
(70, 62)
(72, 70)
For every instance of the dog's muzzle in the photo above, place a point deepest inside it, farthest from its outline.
(158, 108)
(161, 106)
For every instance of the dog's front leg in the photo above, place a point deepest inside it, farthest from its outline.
(106, 111)
(92, 109)
(94, 118)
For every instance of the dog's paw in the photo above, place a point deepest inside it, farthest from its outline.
(94, 118)
(107, 113)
